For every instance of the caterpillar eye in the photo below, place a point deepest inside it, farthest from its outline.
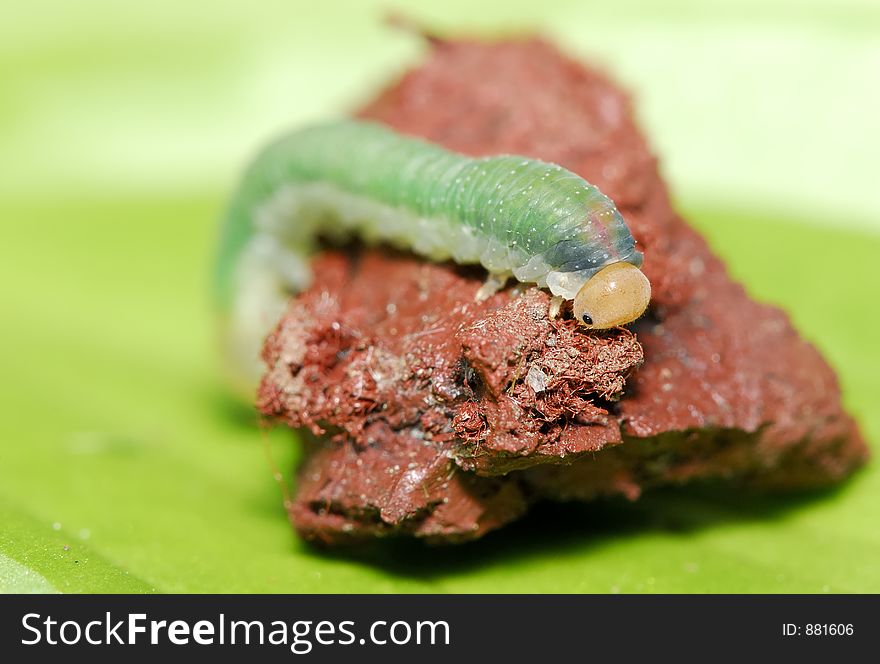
(615, 295)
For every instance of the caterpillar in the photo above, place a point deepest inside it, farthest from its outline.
(520, 217)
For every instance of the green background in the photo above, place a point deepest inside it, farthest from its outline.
(125, 467)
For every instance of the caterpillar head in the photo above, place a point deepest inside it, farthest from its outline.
(615, 295)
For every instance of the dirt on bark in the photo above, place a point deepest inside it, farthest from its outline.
(436, 416)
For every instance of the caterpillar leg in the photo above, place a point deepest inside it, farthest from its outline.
(494, 283)
(555, 306)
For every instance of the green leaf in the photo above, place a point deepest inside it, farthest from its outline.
(16, 578)
(124, 467)
(34, 550)
(119, 443)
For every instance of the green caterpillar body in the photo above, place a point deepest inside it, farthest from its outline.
(519, 216)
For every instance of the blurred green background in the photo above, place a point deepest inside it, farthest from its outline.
(123, 126)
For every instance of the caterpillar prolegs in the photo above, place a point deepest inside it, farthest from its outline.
(517, 217)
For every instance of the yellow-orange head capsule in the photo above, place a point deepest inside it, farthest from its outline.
(615, 295)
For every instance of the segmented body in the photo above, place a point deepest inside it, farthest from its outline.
(530, 218)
